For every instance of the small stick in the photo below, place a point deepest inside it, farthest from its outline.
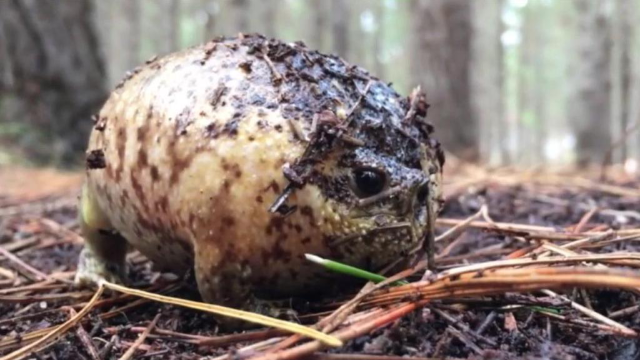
(486, 322)
(624, 312)
(274, 71)
(358, 102)
(458, 324)
(39, 275)
(592, 314)
(585, 220)
(465, 339)
(83, 336)
(129, 353)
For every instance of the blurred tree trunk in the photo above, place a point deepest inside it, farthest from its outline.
(623, 39)
(378, 40)
(589, 110)
(340, 16)
(211, 9)
(130, 13)
(269, 13)
(174, 25)
(531, 85)
(359, 52)
(164, 31)
(441, 46)
(319, 24)
(123, 39)
(241, 9)
(487, 79)
(57, 76)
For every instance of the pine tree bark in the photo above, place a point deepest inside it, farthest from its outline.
(57, 76)
(589, 110)
(441, 50)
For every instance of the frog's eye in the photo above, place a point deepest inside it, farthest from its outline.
(368, 181)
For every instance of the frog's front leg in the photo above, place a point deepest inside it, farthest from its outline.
(103, 256)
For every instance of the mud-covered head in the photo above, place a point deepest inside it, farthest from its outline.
(380, 170)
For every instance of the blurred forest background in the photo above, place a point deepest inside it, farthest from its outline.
(511, 82)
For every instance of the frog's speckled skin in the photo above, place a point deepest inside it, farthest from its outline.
(187, 156)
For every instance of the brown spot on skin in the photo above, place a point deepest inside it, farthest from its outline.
(141, 132)
(143, 160)
(108, 196)
(124, 197)
(306, 240)
(273, 186)
(231, 126)
(155, 176)
(298, 228)
(251, 138)
(162, 204)
(308, 212)
(228, 221)
(212, 131)
(95, 160)
(226, 185)
(178, 164)
(183, 120)
(121, 142)
(276, 223)
(108, 171)
(137, 189)
(278, 128)
(259, 199)
(144, 222)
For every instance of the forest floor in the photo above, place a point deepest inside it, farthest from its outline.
(577, 235)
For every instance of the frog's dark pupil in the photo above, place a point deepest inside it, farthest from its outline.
(369, 182)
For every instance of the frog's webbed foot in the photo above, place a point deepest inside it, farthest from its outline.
(103, 256)
(92, 269)
(272, 308)
(268, 308)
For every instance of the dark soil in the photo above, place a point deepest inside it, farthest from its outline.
(510, 325)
